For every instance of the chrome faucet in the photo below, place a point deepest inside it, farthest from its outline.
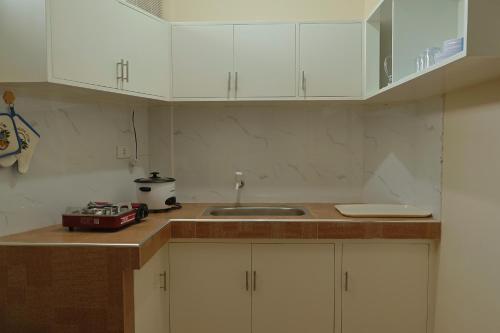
(239, 184)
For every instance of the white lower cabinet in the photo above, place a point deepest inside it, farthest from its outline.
(263, 288)
(293, 290)
(385, 288)
(210, 288)
(151, 301)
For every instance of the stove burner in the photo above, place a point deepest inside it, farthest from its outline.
(103, 215)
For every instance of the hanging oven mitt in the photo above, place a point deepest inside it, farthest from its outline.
(29, 139)
(9, 140)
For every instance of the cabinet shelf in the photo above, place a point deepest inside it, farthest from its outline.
(423, 24)
(457, 72)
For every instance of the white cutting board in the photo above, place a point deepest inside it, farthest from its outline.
(382, 210)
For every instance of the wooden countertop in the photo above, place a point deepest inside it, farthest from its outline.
(144, 239)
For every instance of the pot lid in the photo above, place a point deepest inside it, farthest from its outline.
(155, 178)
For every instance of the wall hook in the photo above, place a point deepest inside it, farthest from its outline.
(9, 99)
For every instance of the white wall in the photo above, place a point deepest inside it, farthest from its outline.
(302, 152)
(469, 272)
(263, 10)
(75, 160)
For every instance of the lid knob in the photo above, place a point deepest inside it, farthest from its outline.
(155, 175)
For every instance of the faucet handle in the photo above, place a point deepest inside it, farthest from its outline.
(239, 180)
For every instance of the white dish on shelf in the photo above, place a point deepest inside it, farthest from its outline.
(451, 47)
(453, 42)
(382, 210)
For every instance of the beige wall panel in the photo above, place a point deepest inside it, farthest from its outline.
(469, 274)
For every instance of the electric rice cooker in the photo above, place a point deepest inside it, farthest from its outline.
(157, 192)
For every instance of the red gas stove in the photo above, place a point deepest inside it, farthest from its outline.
(104, 215)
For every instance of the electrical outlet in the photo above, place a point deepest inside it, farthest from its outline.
(122, 152)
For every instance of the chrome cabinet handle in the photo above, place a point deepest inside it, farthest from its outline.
(246, 280)
(346, 281)
(119, 70)
(164, 285)
(119, 74)
(235, 83)
(303, 80)
(254, 280)
(126, 77)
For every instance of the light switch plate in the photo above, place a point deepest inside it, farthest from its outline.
(122, 152)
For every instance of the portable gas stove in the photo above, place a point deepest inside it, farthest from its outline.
(104, 215)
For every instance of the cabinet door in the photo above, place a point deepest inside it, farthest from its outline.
(151, 294)
(202, 61)
(293, 288)
(331, 60)
(264, 60)
(145, 45)
(385, 289)
(208, 288)
(84, 41)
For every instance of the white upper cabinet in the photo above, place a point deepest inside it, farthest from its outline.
(331, 60)
(146, 52)
(23, 57)
(85, 45)
(202, 61)
(90, 44)
(114, 46)
(264, 60)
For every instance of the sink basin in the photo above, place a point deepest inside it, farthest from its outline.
(256, 211)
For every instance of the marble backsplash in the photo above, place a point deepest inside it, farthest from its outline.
(75, 161)
(293, 153)
(289, 152)
(403, 154)
(302, 152)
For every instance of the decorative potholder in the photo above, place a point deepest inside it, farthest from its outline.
(29, 138)
(10, 144)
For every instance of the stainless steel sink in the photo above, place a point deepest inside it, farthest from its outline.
(255, 211)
